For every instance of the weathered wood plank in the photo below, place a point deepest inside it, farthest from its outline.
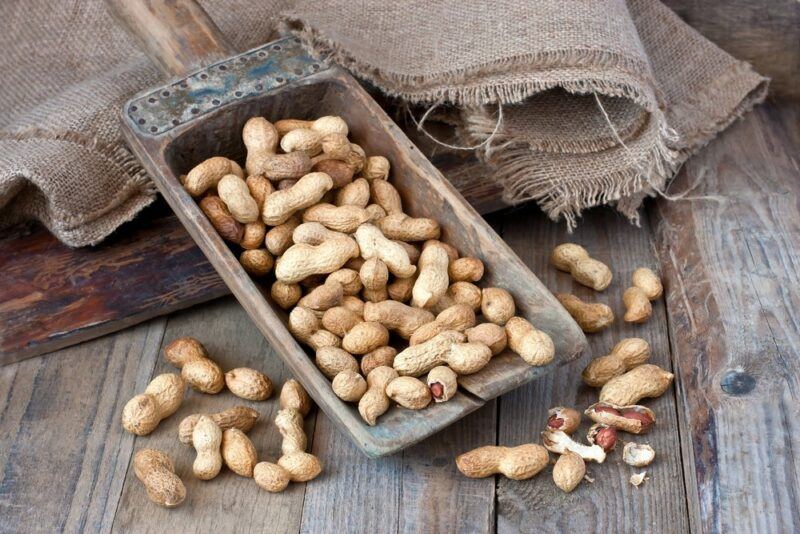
(731, 267)
(63, 455)
(52, 296)
(610, 504)
(228, 502)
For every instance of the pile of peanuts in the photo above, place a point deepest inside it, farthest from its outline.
(624, 379)
(218, 438)
(361, 277)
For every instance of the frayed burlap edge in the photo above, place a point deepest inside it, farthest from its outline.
(459, 87)
(88, 228)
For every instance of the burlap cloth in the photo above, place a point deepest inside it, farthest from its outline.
(600, 100)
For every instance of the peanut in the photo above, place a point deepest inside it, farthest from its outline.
(285, 295)
(458, 317)
(376, 168)
(303, 140)
(238, 452)
(354, 304)
(638, 454)
(340, 320)
(575, 260)
(306, 327)
(443, 383)
(375, 402)
(233, 191)
(323, 297)
(257, 262)
(348, 278)
(404, 228)
(260, 188)
(565, 419)
(432, 281)
(249, 384)
(465, 270)
(637, 306)
(208, 174)
(206, 439)
(374, 244)
(533, 345)
(648, 281)
(397, 316)
(340, 172)
(333, 360)
(603, 435)
(492, 335)
(239, 417)
(374, 275)
(452, 253)
(295, 397)
(221, 219)
(412, 251)
(314, 233)
(161, 398)
(559, 442)
(302, 260)
(643, 381)
(419, 359)
(197, 369)
(308, 190)
(155, 470)
(279, 238)
(517, 463)
(356, 194)
(290, 425)
(344, 219)
(323, 125)
(253, 235)
(400, 289)
(271, 477)
(497, 305)
(625, 355)
(365, 337)
(301, 466)
(349, 386)
(409, 392)
(376, 213)
(261, 140)
(632, 419)
(383, 356)
(569, 471)
(591, 318)
(386, 196)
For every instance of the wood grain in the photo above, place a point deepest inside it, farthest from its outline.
(730, 260)
(228, 502)
(64, 455)
(610, 504)
(52, 296)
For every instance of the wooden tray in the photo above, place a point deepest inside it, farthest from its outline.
(174, 127)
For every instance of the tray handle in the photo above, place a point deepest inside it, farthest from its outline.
(178, 35)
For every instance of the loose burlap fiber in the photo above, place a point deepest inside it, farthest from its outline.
(600, 100)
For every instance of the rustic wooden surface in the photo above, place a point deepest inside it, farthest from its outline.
(727, 436)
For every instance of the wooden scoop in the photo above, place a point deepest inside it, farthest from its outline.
(200, 113)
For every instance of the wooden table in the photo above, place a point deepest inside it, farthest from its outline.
(727, 437)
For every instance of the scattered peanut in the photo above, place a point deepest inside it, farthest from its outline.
(603, 435)
(592, 317)
(239, 417)
(648, 281)
(295, 397)
(559, 442)
(290, 424)
(271, 477)
(637, 306)
(206, 440)
(638, 454)
(633, 419)
(575, 260)
(161, 398)
(197, 369)
(249, 384)
(625, 355)
(155, 470)
(564, 419)
(569, 471)
(643, 381)
(517, 463)
(238, 452)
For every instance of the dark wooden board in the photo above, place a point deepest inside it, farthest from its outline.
(732, 271)
(52, 296)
